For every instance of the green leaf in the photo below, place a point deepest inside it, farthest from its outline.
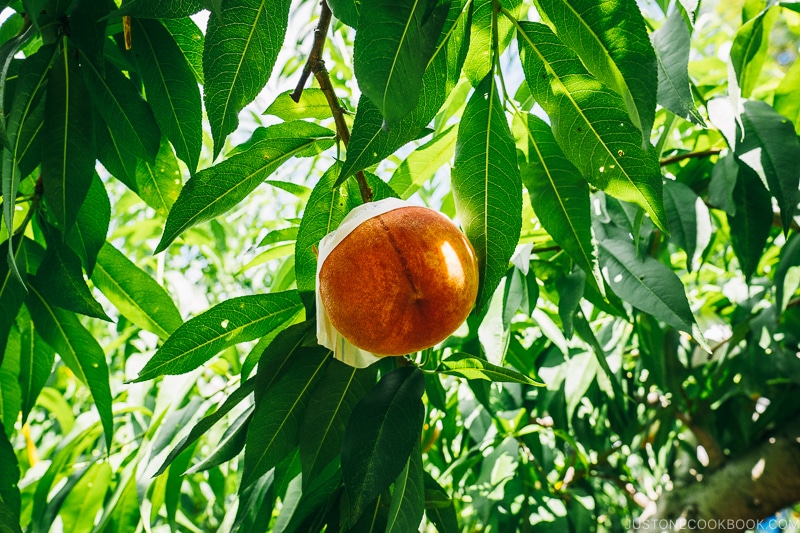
(160, 8)
(10, 393)
(723, 181)
(611, 40)
(86, 498)
(136, 295)
(68, 161)
(61, 268)
(242, 44)
(647, 284)
(770, 146)
(471, 367)
(279, 354)
(190, 40)
(408, 496)
(382, 431)
(395, 41)
(439, 507)
(171, 88)
(117, 160)
(77, 347)
(313, 104)
(423, 163)
(342, 387)
(205, 423)
(36, 359)
(214, 190)
(32, 77)
(751, 224)
(89, 232)
(689, 219)
(346, 11)
(229, 446)
(12, 291)
(233, 321)
(785, 100)
(7, 52)
(750, 48)
(672, 44)
(487, 186)
(370, 142)
(478, 62)
(9, 477)
(590, 122)
(123, 109)
(326, 208)
(159, 184)
(272, 433)
(790, 257)
(280, 235)
(559, 195)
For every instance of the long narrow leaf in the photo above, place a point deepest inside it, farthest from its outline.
(78, 349)
(590, 122)
(233, 321)
(487, 186)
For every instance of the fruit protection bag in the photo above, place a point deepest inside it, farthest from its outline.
(327, 335)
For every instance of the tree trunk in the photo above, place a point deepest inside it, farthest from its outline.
(745, 490)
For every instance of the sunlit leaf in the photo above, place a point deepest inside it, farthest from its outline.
(559, 194)
(487, 186)
(611, 40)
(190, 40)
(313, 104)
(136, 295)
(423, 163)
(471, 367)
(214, 190)
(485, 18)
(233, 321)
(86, 498)
(749, 49)
(242, 44)
(159, 183)
(590, 122)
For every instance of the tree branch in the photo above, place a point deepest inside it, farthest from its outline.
(316, 65)
(689, 155)
(748, 488)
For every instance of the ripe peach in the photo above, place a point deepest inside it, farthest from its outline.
(400, 282)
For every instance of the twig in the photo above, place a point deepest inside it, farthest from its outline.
(689, 155)
(316, 65)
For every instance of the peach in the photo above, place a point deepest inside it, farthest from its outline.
(400, 282)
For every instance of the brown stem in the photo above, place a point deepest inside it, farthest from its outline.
(705, 439)
(316, 65)
(689, 155)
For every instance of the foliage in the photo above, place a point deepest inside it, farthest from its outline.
(630, 190)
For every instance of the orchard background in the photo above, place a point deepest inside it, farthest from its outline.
(626, 172)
